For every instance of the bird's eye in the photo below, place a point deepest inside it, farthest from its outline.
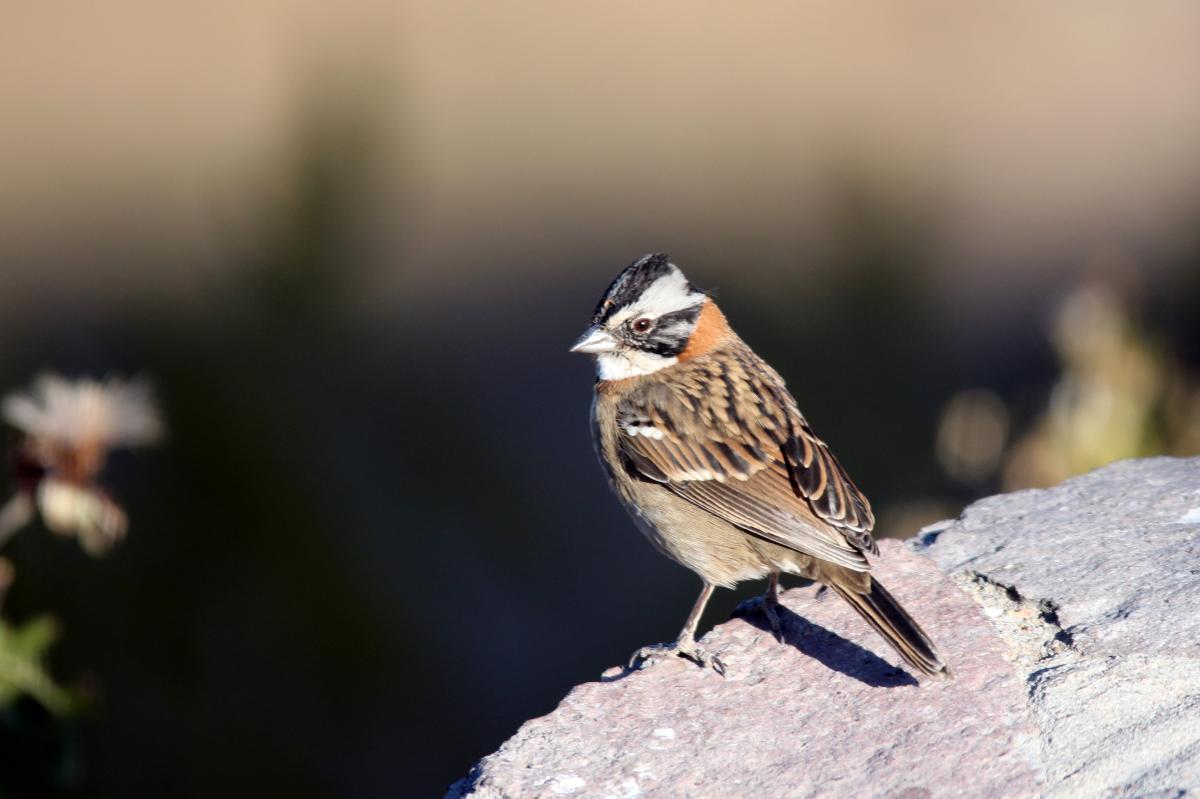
(642, 325)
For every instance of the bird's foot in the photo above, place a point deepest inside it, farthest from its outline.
(768, 604)
(687, 649)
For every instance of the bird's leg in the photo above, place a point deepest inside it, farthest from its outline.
(768, 603)
(770, 606)
(685, 645)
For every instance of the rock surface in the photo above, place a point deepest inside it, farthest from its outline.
(1095, 587)
(1070, 616)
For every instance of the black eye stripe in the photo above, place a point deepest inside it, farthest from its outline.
(671, 332)
(687, 315)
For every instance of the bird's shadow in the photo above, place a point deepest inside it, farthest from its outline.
(817, 642)
(826, 646)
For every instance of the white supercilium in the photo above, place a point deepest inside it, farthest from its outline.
(668, 294)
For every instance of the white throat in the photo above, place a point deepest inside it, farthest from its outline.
(622, 365)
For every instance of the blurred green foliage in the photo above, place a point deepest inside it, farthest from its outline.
(23, 652)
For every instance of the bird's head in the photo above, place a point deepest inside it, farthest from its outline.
(649, 318)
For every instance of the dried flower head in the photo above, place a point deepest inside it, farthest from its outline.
(68, 428)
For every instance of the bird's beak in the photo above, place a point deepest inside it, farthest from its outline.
(594, 341)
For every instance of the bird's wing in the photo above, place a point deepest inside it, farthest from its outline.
(727, 436)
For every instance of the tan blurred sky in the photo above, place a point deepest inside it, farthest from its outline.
(139, 129)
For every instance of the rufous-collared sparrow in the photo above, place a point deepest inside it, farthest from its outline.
(710, 454)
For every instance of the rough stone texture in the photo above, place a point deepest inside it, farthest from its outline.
(825, 714)
(1071, 617)
(1095, 586)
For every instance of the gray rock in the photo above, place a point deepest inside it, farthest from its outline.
(1095, 587)
(1070, 616)
(825, 714)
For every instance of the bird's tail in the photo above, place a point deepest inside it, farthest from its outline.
(892, 622)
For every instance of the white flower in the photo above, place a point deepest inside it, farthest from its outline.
(84, 511)
(69, 428)
(86, 413)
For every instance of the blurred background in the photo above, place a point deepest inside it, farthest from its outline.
(351, 243)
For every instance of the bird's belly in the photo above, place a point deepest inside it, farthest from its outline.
(714, 549)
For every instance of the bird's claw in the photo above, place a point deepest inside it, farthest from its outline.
(699, 655)
(769, 606)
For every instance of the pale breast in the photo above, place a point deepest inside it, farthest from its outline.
(716, 550)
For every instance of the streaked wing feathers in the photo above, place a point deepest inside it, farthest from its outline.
(727, 436)
(765, 507)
